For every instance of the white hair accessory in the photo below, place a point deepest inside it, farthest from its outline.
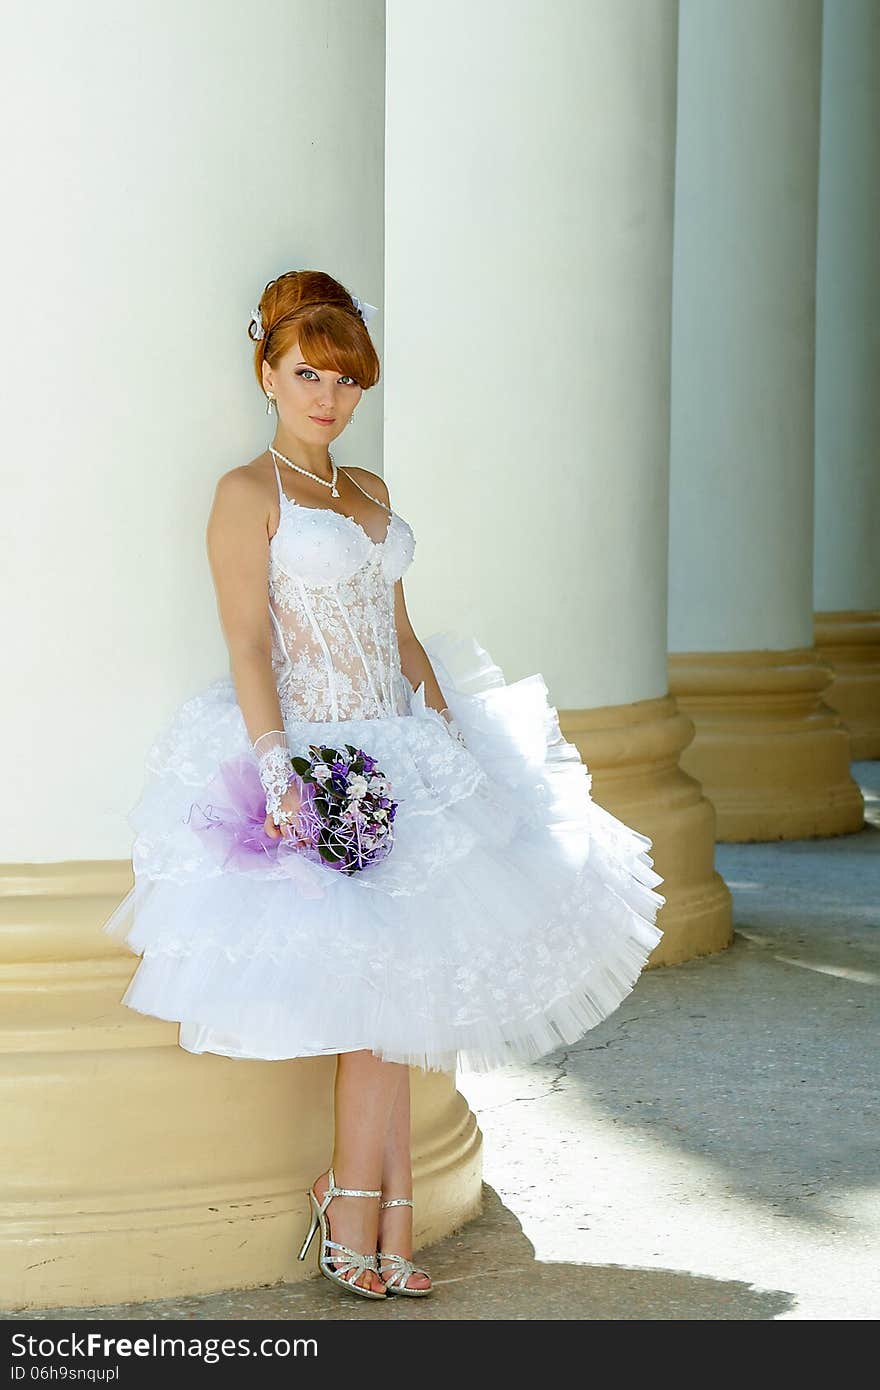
(365, 310)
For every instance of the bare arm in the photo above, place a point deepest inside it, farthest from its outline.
(238, 552)
(414, 662)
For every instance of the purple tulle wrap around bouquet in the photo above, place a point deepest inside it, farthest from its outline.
(345, 820)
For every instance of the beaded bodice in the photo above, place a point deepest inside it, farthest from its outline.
(331, 601)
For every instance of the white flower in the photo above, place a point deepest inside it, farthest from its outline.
(357, 786)
(321, 771)
(377, 783)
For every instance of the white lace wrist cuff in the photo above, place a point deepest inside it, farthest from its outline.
(452, 726)
(272, 738)
(275, 769)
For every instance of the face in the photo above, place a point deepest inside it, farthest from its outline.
(305, 398)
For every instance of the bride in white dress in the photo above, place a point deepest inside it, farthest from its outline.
(512, 914)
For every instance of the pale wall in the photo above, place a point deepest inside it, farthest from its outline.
(152, 187)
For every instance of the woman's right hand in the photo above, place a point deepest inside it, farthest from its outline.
(290, 802)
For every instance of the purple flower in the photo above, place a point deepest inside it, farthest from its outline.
(345, 834)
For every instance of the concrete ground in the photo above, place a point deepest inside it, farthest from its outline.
(710, 1151)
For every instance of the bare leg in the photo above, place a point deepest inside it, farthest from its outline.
(364, 1094)
(396, 1223)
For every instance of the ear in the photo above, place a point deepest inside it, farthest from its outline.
(267, 376)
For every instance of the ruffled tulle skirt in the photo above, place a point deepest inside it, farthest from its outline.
(512, 915)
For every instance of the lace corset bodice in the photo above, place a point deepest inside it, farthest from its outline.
(331, 601)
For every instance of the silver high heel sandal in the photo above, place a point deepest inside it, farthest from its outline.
(335, 1268)
(395, 1282)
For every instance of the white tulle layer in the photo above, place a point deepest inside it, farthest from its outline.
(512, 915)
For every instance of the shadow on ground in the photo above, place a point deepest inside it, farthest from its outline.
(762, 1059)
(486, 1271)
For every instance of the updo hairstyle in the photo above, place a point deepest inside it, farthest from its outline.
(312, 308)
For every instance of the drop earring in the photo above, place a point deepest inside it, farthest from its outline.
(269, 399)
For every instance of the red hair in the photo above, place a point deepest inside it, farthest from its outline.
(310, 307)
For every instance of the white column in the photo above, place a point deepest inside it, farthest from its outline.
(847, 532)
(741, 524)
(528, 232)
(166, 163)
(163, 162)
(769, 754)
(529, 198)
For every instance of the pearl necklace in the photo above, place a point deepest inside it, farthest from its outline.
(332, 484)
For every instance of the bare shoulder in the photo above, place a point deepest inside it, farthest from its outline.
(372, 482)
(247, 485)
(242, 506)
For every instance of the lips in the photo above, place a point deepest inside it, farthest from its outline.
(319, 420)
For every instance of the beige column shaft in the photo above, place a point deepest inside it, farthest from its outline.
(529, 225)
(847, 535)
(166, 162)
(770, 754)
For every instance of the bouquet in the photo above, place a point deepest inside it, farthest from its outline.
(345, 820)
(346, 817)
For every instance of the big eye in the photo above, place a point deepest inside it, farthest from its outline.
(308, 370)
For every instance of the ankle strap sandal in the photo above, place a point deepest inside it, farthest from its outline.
(334, 1267)
(401, 1268)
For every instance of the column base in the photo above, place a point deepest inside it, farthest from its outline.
(135, 1170)
(849, 642)
(770, 754)
(632, 752)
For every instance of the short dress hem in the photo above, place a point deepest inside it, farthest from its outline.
(513, 914)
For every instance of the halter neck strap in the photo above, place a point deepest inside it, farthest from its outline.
(377, 500)
(278, 480)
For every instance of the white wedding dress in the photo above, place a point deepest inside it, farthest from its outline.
(512, 914)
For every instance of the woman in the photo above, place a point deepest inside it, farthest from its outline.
(511, 914)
